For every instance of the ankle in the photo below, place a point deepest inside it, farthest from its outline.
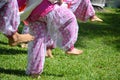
(71, 48)
(49, 53)
(74, 51)
(37, 76)
(92, 17)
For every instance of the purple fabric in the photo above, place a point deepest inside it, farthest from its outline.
(82, 9)
(21, 2)
(9, 18)
(61, 25)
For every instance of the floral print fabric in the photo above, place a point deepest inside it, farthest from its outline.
(9, 18)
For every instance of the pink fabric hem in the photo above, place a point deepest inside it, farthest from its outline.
(70, 49)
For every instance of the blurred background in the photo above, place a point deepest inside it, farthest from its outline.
(100, 4)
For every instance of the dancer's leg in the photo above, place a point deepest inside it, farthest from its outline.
(9, 20)
(63, 28)
(37, 49)
(83, 10)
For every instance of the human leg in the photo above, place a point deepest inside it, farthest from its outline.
(49, 53)
(17, 38)
(64, 25)
(50, 43)
(36, 49)
(50, 46)
(83, 10)
(25, 30)
(63, 28)
(95, 18)
(9, 20)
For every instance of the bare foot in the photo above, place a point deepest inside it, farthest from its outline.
(19, 38)
(24, 45)
(74, 51)
(37, 76)
(49, 53)
(95, 18)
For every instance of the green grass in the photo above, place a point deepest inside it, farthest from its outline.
(100, 60)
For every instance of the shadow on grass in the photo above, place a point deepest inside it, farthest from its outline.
(22, 72)
(13, 72)
(12, 51)
(51, 74)
(3, 43)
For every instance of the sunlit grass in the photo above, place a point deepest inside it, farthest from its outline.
(100, 60)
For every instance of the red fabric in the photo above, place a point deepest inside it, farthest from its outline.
(70, 49)
(21, 4)
(25, 22)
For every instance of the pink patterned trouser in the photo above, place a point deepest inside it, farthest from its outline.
(82, 9)
(61, 25)
(9, 17)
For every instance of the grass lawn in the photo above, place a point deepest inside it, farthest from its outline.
(100, 60)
